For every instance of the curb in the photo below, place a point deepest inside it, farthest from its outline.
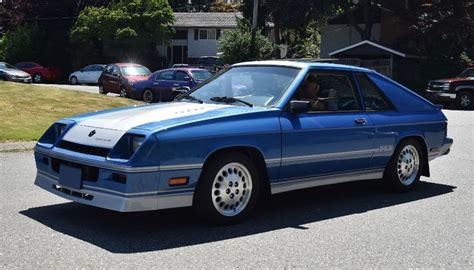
(17, 146)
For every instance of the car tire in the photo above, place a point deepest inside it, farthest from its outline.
(73, 80)
(37, 78)
(123, 92)
(228, 189)
(102, 90)
(464, 100)
(148, 96)
(403, 171)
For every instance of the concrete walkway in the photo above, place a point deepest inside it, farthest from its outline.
(17, 146)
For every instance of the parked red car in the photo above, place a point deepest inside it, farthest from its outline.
(119, 77)
(38, 72)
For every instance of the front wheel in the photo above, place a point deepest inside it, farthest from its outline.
(464, 101)
(123, 92)
(404, 169)
(228, 189)
(102, 90)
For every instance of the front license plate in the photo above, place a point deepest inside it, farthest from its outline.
(70, 177)
(25, 80)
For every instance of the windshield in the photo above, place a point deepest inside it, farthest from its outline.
(6, 66)
(135, 71)
(201, 74)
(467, 73)
(258, 85)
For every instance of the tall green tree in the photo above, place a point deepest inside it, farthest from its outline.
(133, 25)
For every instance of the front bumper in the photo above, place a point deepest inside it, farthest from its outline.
(437, 96)
(23, 80)
(140, 191)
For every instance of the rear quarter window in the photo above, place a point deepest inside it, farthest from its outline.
(401, 97)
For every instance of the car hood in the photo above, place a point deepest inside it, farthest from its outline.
(110, 126)
(15, 72)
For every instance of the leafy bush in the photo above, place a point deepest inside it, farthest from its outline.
(236, 45)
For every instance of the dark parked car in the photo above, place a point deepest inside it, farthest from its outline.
(211, 63)
(162, 85)
(118, 78)
(11, 73)
(38, 72)
(458, 90)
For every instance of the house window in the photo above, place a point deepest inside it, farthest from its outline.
(181, 34)
(208, 34)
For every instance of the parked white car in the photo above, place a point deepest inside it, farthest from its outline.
(88, 74)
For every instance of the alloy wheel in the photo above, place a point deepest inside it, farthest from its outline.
(408, 165)
(231, 189)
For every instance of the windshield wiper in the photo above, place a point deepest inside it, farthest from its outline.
(191, 98)
(230, 100)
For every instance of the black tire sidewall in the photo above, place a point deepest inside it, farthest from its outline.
(391, 175)
(73, 80)
(203, 204)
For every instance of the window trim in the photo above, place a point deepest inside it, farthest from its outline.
(351, 78)
(382, 94)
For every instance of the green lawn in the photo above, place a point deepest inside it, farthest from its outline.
(26, 111)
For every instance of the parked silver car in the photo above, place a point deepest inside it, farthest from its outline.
(11, 73)
(88, 74)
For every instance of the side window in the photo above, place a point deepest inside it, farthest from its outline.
(98, 68)
(87, 68)
(115, 70)
(180, 76)
(328, 91)
(20, 65)
(166, 75)
(373, 98)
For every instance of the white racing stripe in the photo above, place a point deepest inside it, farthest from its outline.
(110, 127)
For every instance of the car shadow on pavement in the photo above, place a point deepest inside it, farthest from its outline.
(167, 229)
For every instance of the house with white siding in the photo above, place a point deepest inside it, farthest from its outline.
(197, 34)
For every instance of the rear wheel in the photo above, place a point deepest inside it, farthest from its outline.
(148, 96)
(37, 78)
(464, 100)
(404, 169)
(73, 80)
(228, 189)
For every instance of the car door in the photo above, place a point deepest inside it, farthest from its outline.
(182, 79)
(333, 140)
(164, 84)
(85, 74)
(111, 79)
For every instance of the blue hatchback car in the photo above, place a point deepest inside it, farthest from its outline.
(162, 85)
(267, 126)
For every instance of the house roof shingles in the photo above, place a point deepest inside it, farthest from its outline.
(207, 19)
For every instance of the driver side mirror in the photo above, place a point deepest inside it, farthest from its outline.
(115, 74)
(299, 106)
(187, 78)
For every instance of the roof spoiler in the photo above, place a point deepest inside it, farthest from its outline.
(439, 107)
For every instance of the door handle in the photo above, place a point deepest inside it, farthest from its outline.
(361, 121)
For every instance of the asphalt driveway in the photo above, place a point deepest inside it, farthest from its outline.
(354, 225)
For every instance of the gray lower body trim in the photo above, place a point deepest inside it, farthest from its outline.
(117, 202)
(290, 185)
